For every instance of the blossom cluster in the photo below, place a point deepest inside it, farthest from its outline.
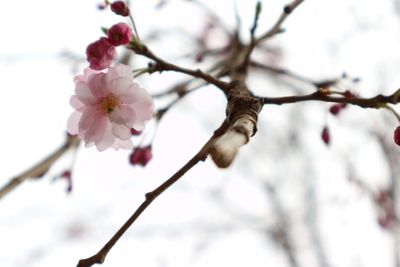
(109, 105)
(102, 52)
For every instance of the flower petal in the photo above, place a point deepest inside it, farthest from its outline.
(123, 144)
(123, 115)
(132, 94)
(97, 85)
(97, 130)
(87, 119)
(107, 140)
(84, 94)
(118, 71)
(120, 131)
(73, 121)
(76, 103)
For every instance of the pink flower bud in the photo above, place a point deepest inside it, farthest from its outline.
(336, 108)
(67, 175)
(396, 136)
(120, 34)
(135, 132)
(141, 156)
(325, 135)
(120, 8)
(100, 54)
(349, 94)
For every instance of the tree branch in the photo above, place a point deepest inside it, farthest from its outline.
(40, 168)
(162, 65)
(377, 101)
(100, 256)
(276, 28)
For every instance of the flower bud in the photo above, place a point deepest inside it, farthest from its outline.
(396, 136)
(120, 8)
(100, 54)
(141, 156)
(336, 108)
(325, 135)
(135, 132)
(120, 34)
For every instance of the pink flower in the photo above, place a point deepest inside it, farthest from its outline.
(120, 8)
(120, 34)
(100, 54)
(108, 105)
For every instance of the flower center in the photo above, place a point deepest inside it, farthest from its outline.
(108, 103)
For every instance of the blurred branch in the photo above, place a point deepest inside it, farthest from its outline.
(40, 168)
(100, 256)
(281, 232)
(378, 101)
(162, 65)
(276, 28)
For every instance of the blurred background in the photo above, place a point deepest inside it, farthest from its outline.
(288, 200)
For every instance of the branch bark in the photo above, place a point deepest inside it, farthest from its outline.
(100, 256)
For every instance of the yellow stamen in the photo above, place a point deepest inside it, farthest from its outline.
(108, 103)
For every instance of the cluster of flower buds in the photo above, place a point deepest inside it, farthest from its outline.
(102, 52)
(108, 102)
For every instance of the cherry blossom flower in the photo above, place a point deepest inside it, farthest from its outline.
(100, 54)
(120, 34)
(107, 105)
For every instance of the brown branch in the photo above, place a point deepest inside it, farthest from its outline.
(162, 65)
(40, 168)
(100, 256)
(276, 28)
(373, 102)
(282, 71)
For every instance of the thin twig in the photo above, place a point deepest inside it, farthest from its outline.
(40, 168)
(282, 71)
(100, 256)
(373, 102)
(276, 28)
(162, 65)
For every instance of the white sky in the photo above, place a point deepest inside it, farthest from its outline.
(42, 226)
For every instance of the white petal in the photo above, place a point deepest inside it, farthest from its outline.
(124, 144)
(119, 85)
(97, 85)
(121, 131)
(123, 115)
(84, 93)
(73, 121)
(76, 103)
(107, 140)
(119, 70)
(97, 130)
(87, 119)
